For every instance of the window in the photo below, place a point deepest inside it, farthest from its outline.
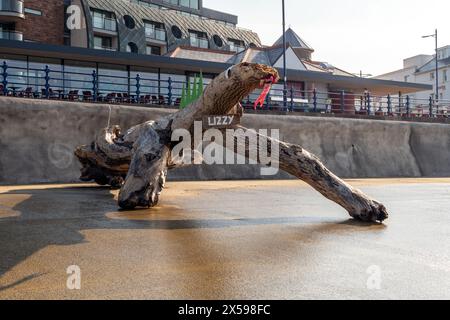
(132, 47)
(432, 76)
(103, 43)
(78, 75)
(129, 22)
(218, 41)
(406, 78)
(33, 11)
(155, 30)
(445, 75)
(236, 45)
(12, 6)
(192, 4)
(184, 3)
(149, 84)
(177, 83)
(7, 31)
(198, 39)
(112, 78)
(103, 20)
(67, 41)
(177, 33)
(154, 50)
(36, 73)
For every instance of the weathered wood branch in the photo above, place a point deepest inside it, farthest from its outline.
(300, 163)
(138, 160)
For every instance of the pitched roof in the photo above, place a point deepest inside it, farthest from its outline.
(192, 53)
(293, 39)
(267, 55)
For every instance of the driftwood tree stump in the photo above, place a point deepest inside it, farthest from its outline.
(138, 160)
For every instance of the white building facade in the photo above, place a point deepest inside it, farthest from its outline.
(422, 69)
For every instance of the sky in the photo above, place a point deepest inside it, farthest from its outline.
(372, 36)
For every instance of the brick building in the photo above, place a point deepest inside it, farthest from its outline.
(164, 43)
(33, 20)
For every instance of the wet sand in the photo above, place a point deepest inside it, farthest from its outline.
(225, 240)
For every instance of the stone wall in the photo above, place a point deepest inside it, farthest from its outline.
(37, 139)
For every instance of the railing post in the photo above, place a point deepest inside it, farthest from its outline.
(94, 85)
(285, 98)
(315, 99)
(5, 78)
(408, 107)
(267, 102)
(436, 102)
(170, 92)
(292, 98)
(369, 106)
(342, 101)
(389, 102)
(138, 88)
(431, 107)
(47, 82)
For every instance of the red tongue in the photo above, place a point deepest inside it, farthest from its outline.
(264, 93)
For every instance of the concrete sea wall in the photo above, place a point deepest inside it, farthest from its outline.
(37, 139)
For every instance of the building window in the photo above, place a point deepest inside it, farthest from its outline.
(12, 6)
(129, 22)
(33, 11)
(445, 75)
(432, 76)
(236, 45)
(8, 32)
(192, 4)
(103, 43)
(218, 41)
(155, 30)
(67, 41)
(406, 78)
(154, 50)
(132, 47)
(103, 20)
(177, 33)
(112, 78)
(198, 39)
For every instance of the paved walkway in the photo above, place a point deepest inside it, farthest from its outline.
(225, 240)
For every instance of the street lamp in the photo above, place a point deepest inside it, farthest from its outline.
(435, 36)
(284, 59)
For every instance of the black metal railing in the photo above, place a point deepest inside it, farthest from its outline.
(94, 86)
(344, 103)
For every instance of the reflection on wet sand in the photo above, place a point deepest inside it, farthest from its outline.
(232, 240)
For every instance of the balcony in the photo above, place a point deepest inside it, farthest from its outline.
(11, 10)
(199, 42)
(11, 35)
(106, 24)
(155, 34)
(234, 47)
